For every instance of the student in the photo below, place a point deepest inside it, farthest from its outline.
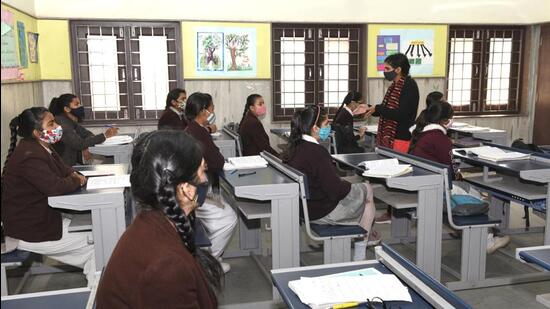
(332, 200)
(156, 263)
(33, 171)
(431, 98)
(76, 139)
(343, 124)
(218, 219)
(173, 118)
(430, 141)
(251, 130)
(398, 109)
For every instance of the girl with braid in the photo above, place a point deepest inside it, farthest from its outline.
(33, 171)
(251, 130)
(156, 263)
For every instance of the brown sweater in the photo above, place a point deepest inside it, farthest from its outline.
(211, 152)
(31, 175)
(253, 135)
(326, 188)
(171, 121)
(151, 268)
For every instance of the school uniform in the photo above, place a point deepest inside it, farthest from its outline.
(218, 218)
(345, 137)
(253, 136)
(151, 268)
(332, 200)
(434, 144)
(75, 139)
(32, 174)
(172, 119)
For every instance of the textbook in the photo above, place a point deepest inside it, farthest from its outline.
(385, 168)
(117, 140)
(246, 162)
(358, 286)
(496, 154)
(108, 182)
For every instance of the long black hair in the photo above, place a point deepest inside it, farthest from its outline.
(250, 100)
(399, 60)
(161, 160)
(196, 103)
(433, 97)
(434, 113)
(173, 95)
(302, 123)
(352, 96)
(58, 104)
(24, 125)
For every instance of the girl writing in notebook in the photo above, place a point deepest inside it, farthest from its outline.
(430, 141)
(251, 130)
(332, 200)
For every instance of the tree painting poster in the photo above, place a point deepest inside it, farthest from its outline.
(226, 52)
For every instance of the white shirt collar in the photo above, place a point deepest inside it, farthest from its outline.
(309, 138)
(435, 126)
(349, 110)
(180, 114)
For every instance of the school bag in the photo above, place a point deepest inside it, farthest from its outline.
(468, 205)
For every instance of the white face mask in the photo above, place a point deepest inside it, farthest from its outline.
(449, 124)
(211, 118)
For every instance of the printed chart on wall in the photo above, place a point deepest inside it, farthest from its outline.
(224, 50)
(10, 62)
(424, 45)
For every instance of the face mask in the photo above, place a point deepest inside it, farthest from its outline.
(324, 133)
(181, 105)
(449, 124)
(260, 111)
(78, 112)
(200, 195)
(211, 118)
(390, 76)
(51, 136)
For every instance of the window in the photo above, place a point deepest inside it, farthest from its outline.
(484, 69)
(314, 64)
(123, 71)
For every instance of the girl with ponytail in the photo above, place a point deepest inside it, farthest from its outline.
(251, 130)
(343, 124)
(332, 200)
(33, 171)
(156, 263)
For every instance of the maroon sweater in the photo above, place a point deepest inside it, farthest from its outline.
(171, 121)
(434, 145)
(253, 135)
(211, 152)
(151, 268)
(326, 188)
(31, 175)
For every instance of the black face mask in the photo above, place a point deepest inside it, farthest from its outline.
(202, 191)
(390, 76)
(78, 113)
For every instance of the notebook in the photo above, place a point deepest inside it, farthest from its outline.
(246, 162)
(372, 128)
(470, 128)
(496, 154)
(108, 182)
(385, 168)
(326, 291)
(117, 140)
(459, 125)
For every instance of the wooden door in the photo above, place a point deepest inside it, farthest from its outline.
(541, 129)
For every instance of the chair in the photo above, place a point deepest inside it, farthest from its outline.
(14, 258)
(336, 238)
(232, 129)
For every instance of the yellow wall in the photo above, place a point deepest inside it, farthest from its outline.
(54, 49)
(32, 72)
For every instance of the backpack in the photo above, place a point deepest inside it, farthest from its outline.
(467, 205)
(520, 144)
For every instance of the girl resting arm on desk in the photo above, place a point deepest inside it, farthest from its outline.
(33, 171)
(332, 200)
(251, 129)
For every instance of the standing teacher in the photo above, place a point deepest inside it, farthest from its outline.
(398, 109)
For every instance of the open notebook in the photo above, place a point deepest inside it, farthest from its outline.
(385, 168)
(246, 162)
(117, 140)
(354, 286)
(496, 154)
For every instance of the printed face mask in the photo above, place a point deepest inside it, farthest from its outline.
(51, 136)
(324, 133)
(181, 105)
(448, 124)
(260, 111)
(390, 76)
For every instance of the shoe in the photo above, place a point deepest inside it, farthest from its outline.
(374, 239)
(495, 242)
(383, 219)
(359, 250)
(226, 267)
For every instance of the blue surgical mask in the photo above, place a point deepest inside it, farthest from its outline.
(324, 133)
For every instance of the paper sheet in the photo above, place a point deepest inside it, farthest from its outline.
(108, 182)
(96, 173)
(117, 140)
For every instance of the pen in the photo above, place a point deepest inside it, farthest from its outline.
(246, 174)
(232, 172)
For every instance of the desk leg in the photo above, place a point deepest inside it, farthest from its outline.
(400, 225)
(500, 210)
(249, 234)
(108, 224)
(547, 228)
(428, 243)
(285, 232)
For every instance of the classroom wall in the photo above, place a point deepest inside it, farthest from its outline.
(54, 51)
